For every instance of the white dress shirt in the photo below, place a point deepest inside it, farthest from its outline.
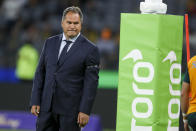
(63, 43)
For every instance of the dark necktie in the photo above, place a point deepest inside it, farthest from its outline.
(64, 51)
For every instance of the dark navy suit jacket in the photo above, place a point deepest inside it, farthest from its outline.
(68, 87)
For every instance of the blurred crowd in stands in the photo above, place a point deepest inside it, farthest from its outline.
(32, 21)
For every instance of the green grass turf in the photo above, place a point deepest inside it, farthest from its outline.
(108, 130)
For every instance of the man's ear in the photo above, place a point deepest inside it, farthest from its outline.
(62, 24)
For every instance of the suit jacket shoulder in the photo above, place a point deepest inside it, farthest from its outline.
(88, 42)
(55, 37)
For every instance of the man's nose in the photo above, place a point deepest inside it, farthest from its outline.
(72, 25)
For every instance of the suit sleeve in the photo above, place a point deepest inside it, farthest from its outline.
(90, 81)
(38, 81)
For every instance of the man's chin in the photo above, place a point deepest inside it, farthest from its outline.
(72, 36)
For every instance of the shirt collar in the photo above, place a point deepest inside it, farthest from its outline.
(72, 39)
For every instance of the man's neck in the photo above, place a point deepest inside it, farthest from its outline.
(71, 38)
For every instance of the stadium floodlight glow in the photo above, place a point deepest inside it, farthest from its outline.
(153, 7)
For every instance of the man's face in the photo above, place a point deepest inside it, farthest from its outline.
(71, 25)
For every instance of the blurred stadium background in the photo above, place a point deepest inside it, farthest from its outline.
(30, 22)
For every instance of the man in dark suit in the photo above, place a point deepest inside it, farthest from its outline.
(66, 78)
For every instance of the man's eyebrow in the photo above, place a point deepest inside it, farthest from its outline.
(75, 22)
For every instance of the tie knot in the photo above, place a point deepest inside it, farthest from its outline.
(68, 42)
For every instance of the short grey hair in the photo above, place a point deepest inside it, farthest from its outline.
(74, 10)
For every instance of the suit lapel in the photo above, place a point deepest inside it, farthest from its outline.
(73, 49)
(57, 47)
